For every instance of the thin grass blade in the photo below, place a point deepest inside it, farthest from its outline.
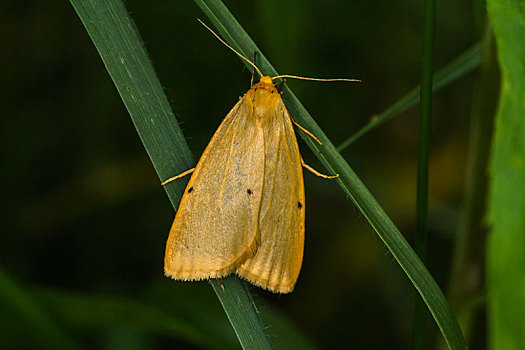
(459, 67)
(235, 35)
(120, 47)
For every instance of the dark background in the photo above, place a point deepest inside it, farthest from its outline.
(83, 210)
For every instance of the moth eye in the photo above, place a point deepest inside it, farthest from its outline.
(190, 189)
(299, 205)
(249, 192)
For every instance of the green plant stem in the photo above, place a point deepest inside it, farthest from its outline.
(120, 47)
(421, 240)
(424, 130)
(235, 35)
(460, 66)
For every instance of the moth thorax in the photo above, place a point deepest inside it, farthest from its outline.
(265, 98)
(264, 103)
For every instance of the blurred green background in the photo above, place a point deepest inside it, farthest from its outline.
(85, 219)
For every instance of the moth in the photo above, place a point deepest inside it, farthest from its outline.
(243, 210)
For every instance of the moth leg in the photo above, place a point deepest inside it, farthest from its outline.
(306, 131)
(187, 172)
(280, 86)
(315, 172)
(219, 282)
(253, 72)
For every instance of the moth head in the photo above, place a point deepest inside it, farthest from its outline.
(265, 84)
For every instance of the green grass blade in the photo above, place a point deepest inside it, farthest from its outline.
(24, 323)
(231, 30)
(419, 330)
(460, 66)
(506, 210)
(238, 308)
(119, 45)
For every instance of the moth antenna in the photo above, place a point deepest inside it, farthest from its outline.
(314, 79)
(231, 48)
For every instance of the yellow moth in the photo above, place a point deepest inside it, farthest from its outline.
(243, 210)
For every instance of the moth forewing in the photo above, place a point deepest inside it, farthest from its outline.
(216, 226)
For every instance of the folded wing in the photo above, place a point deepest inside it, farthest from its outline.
(278, 259)
(216, 225)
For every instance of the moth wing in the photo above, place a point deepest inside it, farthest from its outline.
(216, 225)
(278, 259)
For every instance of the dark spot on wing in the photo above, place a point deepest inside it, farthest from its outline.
(299, 205)
(190, 189)
(249, 192)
